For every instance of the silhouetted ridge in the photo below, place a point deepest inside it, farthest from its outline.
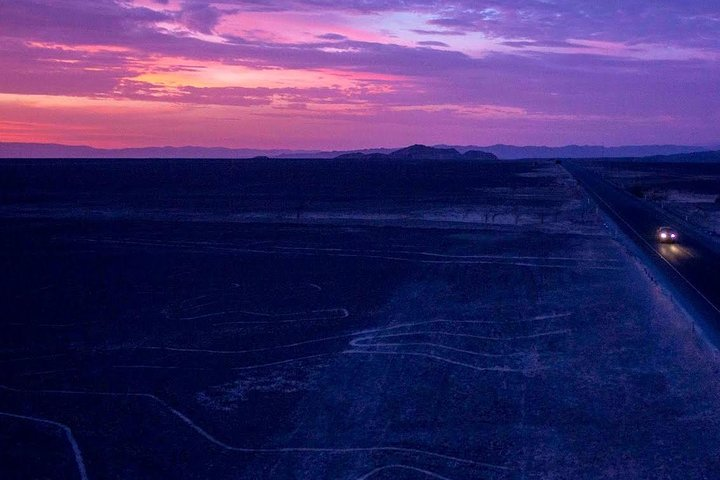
(698, 157)
(423, 152)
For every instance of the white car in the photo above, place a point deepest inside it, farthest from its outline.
(667, 235)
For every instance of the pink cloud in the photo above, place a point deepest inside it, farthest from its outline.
(327, 70)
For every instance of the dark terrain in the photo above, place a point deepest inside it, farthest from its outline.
(339, 320)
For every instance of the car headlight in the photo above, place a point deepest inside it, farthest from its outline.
(663, 235)
(672, 235)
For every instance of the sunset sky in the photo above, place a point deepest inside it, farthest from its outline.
(364, 73)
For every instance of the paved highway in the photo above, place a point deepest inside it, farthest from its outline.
(692, 266)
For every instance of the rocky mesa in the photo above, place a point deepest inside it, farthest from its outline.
(422, 152)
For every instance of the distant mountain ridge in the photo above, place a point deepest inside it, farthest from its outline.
(508, 152)
(51, 150)
(422, 152)
(504, 152)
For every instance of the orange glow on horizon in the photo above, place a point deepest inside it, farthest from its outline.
(218, 75)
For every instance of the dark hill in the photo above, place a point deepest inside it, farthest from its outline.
(422, 152)
(700, 157)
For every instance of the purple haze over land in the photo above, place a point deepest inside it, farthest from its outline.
(321, 74)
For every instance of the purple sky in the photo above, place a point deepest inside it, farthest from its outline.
(364, 73)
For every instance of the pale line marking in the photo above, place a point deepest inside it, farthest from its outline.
(343, 313)
(68, 434)
(380, 257)
(362, 332)
(161, 367)
(402, 467)
(445, 255)
(48, 372)
(443, 359)
(463, 335)
(185, 419)
(356, 343)
(283, 362)
(54, 355)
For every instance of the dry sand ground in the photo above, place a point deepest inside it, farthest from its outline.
(375, 324)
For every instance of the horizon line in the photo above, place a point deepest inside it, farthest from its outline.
(345, 149)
